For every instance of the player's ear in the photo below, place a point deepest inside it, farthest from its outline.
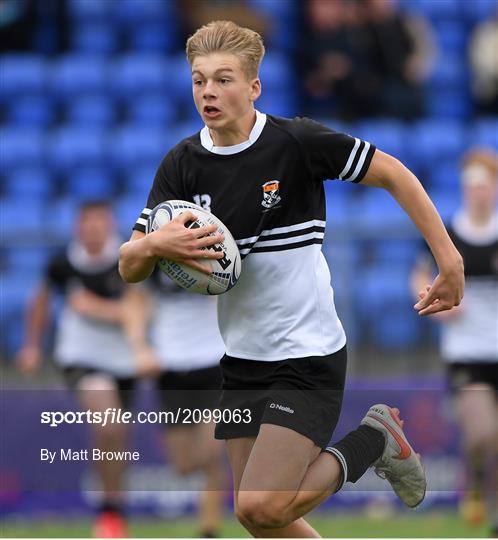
(255, 89)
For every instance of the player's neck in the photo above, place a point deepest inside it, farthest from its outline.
(236, 133)
(480, 217)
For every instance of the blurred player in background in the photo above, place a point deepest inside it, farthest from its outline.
(469, 338)
(186, 361)
(285, 357)
(90, 348)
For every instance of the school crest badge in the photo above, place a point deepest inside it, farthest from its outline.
(271, 196)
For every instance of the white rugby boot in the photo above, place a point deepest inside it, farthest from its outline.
(398, 464)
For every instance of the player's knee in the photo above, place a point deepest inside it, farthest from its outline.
(185, 467)
(482, 441)
(260, 510)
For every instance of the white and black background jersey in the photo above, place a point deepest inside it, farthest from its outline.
(80, 340)
(472, 335)
(269, 193)
(184, 328)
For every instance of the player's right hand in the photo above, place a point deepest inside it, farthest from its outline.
(29, 359)
(178, 243)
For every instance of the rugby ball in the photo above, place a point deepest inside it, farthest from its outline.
(226, 271)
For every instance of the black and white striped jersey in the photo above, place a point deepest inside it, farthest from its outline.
(472, 335)
(81, 340)
(178, 346)
(269, 193)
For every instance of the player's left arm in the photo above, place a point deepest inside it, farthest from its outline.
(447, 289)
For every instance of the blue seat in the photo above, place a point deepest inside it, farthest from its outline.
(76, 74)
(139, 182)
(478, 10)
(90, 10)
(90, 183)
(450, 103)
(136, 146)
(157, 36)
(95, 38)
(22, 259)
(441, 9)
(73, 147)
(446, 202)
(384, 303)
(128, 210)
(484, 133)
(445, 176)
(278, 103)
(21, 217)
(136, 74)
(133, 12)
(36, 111)
(21, 146)
(180, 84)
(449, 72)
(152, 110)
(29, 182)
(276, 73)
(91, 110)
(61, 217)
(388, 135)
(18, 286)
(401, 253)
(376, 209)
(22, 74)
(436, 140)
(452, 37)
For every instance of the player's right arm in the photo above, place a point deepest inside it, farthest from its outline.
(174, 241)
(37, 315)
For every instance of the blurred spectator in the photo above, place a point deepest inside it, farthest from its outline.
(483, 53)
(469, 340)
(334, 58)
(196, 13)
(402, 50)
(17, 22)
(363, 58)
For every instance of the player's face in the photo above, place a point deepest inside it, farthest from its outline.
(94, 228)
(481, 193)
(223, 94)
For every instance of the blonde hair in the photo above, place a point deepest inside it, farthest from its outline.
(228, 37)
(483, 157)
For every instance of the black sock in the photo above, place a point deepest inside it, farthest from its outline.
(357, 451)
(110, 506)
(209, 534)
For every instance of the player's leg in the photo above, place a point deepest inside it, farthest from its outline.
(239, 450)
(477, 401)
(213, 466)
(98, 392)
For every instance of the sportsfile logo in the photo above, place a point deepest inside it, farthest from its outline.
(281, 408)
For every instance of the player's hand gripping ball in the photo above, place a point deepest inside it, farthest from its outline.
(225, 271)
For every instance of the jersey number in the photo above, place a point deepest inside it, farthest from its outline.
(203, 201)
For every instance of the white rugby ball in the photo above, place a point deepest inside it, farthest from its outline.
(226, 271)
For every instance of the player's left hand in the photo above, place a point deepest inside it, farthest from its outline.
(445, 293)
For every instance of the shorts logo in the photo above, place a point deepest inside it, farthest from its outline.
(281, 408)
(271, 196)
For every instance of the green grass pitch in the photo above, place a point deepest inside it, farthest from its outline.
(332, 525)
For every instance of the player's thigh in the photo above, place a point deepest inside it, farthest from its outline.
(476, 410)
(207, 446)
(238, 451)
(97, 392)
(278, 461)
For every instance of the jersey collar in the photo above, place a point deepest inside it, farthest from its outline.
(208, 144)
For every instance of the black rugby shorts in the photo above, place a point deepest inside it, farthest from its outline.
(302, 394)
